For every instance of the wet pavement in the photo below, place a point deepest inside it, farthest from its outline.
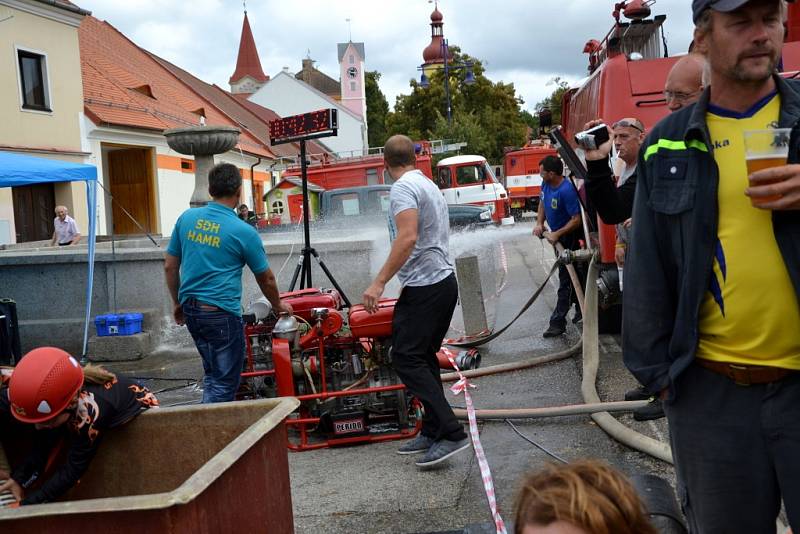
(371, 489)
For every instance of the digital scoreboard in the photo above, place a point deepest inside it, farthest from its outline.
(310, 125)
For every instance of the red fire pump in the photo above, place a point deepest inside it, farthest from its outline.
(339, 365)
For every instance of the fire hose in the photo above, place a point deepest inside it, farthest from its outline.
(599, 411)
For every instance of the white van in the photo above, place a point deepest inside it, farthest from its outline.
(470, 180)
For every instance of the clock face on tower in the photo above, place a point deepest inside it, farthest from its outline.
(352, 72)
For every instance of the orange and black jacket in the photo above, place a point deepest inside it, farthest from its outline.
(100, 408)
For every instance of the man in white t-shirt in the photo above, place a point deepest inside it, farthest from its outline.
(420, 232)
(66, 229)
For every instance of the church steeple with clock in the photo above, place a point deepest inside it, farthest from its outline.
(351, 76)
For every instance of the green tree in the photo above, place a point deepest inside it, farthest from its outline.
(377, 109)
(494, 106)
(528, 118)
(553, 102)
(465, 127)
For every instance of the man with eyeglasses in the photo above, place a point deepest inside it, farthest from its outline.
(684, 82)
(613, 204)
(627, 136)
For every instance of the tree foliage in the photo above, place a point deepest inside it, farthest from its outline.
(377, 109)
(465, 127)
(485, 107)
(552, 102)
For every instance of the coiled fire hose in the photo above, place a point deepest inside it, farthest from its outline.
(589, 344)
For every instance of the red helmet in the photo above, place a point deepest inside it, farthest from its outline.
(43, 384)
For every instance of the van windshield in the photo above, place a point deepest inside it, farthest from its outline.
(471, 174)
(345, 204)
(377, 202)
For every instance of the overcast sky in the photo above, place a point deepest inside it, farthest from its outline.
(527, 42)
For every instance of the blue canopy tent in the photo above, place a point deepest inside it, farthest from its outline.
(17, 170)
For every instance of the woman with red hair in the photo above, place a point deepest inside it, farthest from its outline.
(49, 389)
(585, 497)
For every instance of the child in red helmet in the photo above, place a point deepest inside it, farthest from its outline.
(49, 388)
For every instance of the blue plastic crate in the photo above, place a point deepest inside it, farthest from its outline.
(123, 324)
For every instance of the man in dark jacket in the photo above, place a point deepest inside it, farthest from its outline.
(712, 319)
(614, 202)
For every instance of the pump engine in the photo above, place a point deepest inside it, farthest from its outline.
(338, 364)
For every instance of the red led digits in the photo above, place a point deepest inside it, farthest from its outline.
(315, 123)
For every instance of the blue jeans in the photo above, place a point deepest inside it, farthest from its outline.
(219, 337)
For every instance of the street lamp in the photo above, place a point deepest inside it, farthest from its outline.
(469, 79)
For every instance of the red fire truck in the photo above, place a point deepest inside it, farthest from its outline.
(627, 73)
(521, 172)
(358, 171)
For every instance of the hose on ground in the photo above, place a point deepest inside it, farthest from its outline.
(516, 366)
(553, 411)
(598, 410)
(591, 362)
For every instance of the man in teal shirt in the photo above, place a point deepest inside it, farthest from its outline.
(203, 266)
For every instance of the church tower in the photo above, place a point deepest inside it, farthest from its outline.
(433, 55)
(248, 76)
(351, 78)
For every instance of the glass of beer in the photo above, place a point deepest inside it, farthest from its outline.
(765, 149)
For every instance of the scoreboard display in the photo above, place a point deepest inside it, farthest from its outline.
(321, 123)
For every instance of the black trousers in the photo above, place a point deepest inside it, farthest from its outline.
(737, 452)
(566, 293)
(421, 320)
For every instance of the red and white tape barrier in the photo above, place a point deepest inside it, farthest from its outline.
(462, 386)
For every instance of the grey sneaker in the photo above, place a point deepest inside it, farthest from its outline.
(419, 444)
(441, 451)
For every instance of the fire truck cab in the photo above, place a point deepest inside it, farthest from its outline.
(470, 180)
(523, 182)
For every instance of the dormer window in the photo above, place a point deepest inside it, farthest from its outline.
(145, 89)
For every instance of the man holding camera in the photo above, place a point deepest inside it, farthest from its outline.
(561, 207)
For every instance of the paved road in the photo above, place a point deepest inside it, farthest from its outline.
(372, 489)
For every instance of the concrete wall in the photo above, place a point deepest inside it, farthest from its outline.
(287, 96)
(49, 285)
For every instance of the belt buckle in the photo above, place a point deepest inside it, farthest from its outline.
(740, 374)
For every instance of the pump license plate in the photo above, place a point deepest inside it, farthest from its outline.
(348, 426)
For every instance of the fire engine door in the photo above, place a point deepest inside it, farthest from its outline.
(474, 184)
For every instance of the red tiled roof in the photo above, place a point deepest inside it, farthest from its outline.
(113, 68)
(248, 63)
(235, 108)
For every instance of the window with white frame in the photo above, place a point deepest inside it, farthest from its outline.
(33, 80)
(352, 59)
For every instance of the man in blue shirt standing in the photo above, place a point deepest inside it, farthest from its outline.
(203, 266)
(562, 209)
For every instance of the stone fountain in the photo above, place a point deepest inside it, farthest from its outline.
(202, 142)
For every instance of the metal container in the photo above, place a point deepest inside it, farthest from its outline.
(202, 469)
(305, 300)
(373, 325)
(286, 327)
(261, 308)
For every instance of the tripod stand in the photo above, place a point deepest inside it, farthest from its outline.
(303, 267)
